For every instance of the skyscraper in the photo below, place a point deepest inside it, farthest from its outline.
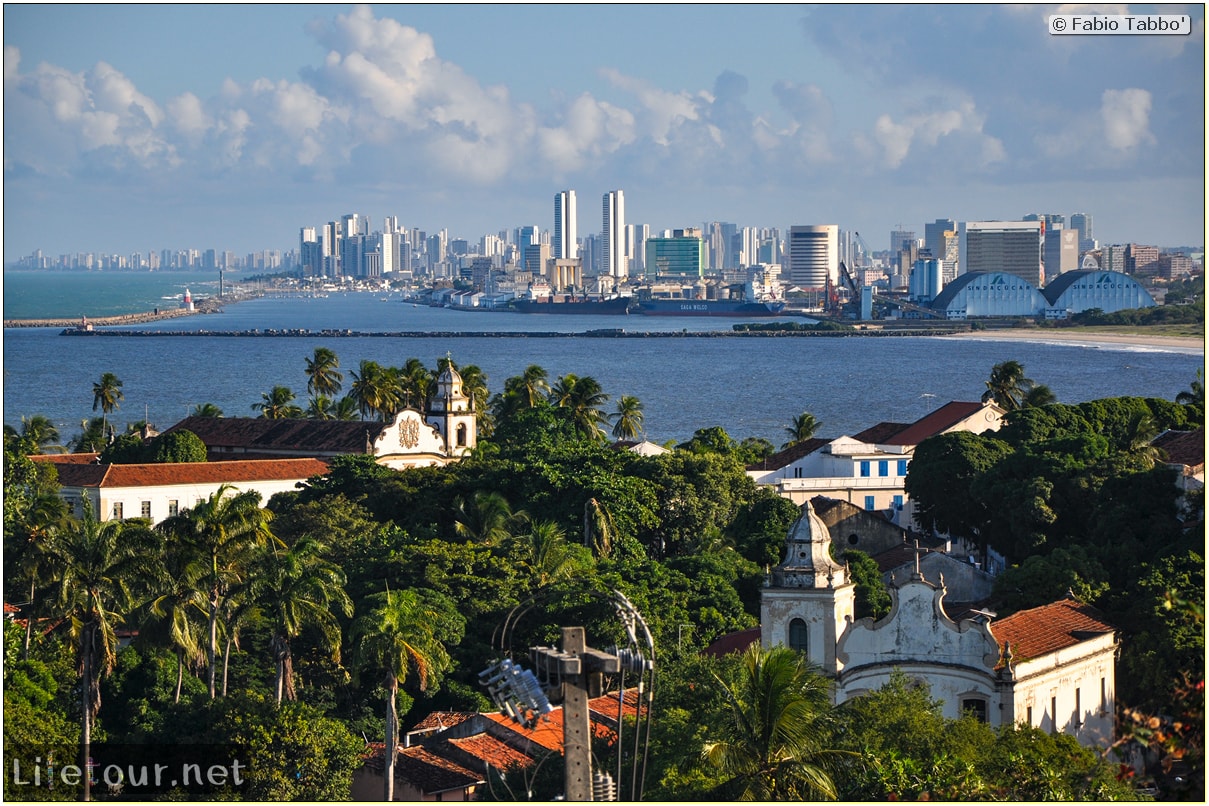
(1087, 235)
(813, 255)
(565, 244)
(934, 236)
(612, 235)
(1013, 247)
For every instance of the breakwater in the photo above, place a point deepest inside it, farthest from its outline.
(607, 333)
(208, 305)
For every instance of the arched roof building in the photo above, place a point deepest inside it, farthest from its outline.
(1078, 291)
(991, 293)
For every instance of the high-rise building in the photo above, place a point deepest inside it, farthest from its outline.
(1061, 251)
(813, 256)
(636, 236)
(900, 237)
(612, 236)
(565, 241)
(1142, 260)
(934, 236)
(1087, 236)
(1013, 247)
(683, 255)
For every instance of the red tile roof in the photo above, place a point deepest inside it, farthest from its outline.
(1048, 628)
(66, 458)
(491, 751)
(149, 475)
(734, 642)
(790, 455)
(439, 720)
(1182, 447)
(881, 434)
(938, 422)
(290, 435)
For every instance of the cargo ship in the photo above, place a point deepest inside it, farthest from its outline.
(709, 307)
(567, 304)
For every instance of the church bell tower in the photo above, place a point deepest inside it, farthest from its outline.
(452, 412)
(808, 600)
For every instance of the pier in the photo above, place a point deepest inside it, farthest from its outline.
(207, 305)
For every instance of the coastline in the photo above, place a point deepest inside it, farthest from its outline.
(1089, 337)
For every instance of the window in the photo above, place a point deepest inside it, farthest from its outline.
(1103, 697)
(1028, 716)
(1078, 708)
(883, 468)
(798, 635)
(145, 510)
(117, 510)
(898, 502)
(797, 472)
(1053, 711)
(902, 467)
(869, 503)
(864, 469)
(174, 508)
(975, 708)
(461, 435)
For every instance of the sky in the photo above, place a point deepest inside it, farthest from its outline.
(141, 127)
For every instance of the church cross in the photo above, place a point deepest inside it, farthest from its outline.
(918, 552)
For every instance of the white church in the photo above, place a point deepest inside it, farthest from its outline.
(1051, 667)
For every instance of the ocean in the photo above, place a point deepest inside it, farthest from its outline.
(751, 387)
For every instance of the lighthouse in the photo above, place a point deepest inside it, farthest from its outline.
(187, 302)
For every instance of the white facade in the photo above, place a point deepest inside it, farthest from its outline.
(1051, 667)
(813, 258)
(564, 240)
(612, 234)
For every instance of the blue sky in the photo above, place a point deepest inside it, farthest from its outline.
(142, 127)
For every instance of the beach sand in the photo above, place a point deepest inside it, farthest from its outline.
(1088, 337)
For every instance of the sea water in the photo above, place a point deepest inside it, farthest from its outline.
(752, 387)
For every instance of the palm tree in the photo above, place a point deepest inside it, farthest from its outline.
(38, 522)
(1140, 436)
(177, 617)
(298, 587)
(1195, 394)
(39, 432)
(223, 530)
(804, 427)
(1007, 386)
(323, 376)
(397, 636)
(583, 398)
(415, 383)
(1039, 395)
(773, 745)
(92, 437)
(489, 522)
(277, 404)
(97, 566)
(343, 409)
(375, 389)
(533, 382)
(206, 410)
(107, 394)
(320, 408)
(627, 420)
(546, 552)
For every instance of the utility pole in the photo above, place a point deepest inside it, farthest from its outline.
(580, 668)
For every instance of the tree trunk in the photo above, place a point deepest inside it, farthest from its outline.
(86, 711)
(226, 660)
(213, 637)
(180, 673)
(29, 623)
(392, 688)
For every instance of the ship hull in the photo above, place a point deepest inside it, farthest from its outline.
(618, 306)
(697, 307)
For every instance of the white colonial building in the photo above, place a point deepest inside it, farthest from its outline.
(1050, 667)
(868, 469)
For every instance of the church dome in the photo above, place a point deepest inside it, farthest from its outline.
(808, 562)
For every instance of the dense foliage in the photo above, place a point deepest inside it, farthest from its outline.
(359, 603)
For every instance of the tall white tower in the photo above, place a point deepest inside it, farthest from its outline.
(565, 244)
(612, 234)
(813, 256)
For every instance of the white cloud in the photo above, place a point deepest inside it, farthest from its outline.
(1126, 118)
(897, 139)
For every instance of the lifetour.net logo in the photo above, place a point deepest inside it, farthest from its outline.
(125, 771)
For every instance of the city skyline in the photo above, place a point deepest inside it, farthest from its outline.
(120, 137)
